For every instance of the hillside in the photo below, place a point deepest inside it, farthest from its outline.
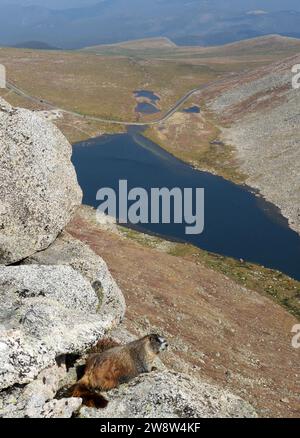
(111, 74)
(268, 42)
(257, 46)
(258, 49)
(218, 329)
(261, 113)
(148, 43)
(247, 130)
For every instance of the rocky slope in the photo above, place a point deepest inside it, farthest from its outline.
(168, 394)
(261, 113)
(60, 298)
(219, 331)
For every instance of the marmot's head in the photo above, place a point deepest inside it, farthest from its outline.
(158, 343)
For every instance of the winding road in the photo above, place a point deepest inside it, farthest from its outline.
(10, 86)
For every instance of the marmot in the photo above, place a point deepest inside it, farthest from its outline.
(113, 366)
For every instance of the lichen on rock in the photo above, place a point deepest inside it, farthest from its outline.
(38, 185)
(45, 311)
(67, 251)
(168, 394)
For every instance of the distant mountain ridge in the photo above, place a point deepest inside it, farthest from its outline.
(268, 45)
(147, 43)
(194, 22)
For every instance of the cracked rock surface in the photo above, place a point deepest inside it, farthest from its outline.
(168, 394)
(47, 311)
(38, 186)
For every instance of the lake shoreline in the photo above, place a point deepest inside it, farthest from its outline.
(274, 237)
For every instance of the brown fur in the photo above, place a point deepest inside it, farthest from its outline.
(113, 366)
(89, 398)
(103, 345)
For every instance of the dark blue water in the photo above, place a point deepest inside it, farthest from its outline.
(237, 223)
(192, 109)
(146, 108)
(148, 94)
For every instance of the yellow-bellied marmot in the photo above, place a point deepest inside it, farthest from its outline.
(116, 365)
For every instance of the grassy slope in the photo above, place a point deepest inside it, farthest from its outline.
(194, 138)
(97, 85)
(148, 43)
(255, 50)
(101, 83)
(267, 282)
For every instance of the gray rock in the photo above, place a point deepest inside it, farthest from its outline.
(38, 185)
(71, 252)
(46, 311)
(63, 408)
(171, 395)
(36, 400)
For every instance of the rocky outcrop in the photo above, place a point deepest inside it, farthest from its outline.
(71, 252)
(36, 400)
(38, 186)
(163, 394)
(45, 312)
(171, 395)
(61, 298)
